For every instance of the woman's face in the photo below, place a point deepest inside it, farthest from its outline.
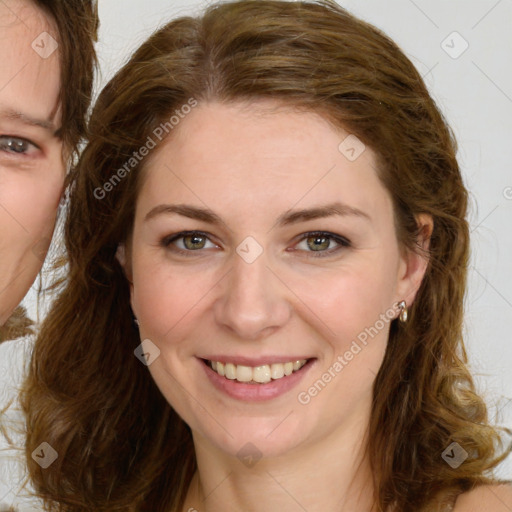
(289, 254)
(31, 165)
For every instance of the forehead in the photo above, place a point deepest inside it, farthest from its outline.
(235, 157)
(30, 70)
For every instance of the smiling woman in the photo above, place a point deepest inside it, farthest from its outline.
(301, 233)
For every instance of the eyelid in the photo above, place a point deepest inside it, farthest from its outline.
(168, 240)
(337, 238)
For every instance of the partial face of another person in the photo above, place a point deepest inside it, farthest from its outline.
(260, 244)
(31, 163)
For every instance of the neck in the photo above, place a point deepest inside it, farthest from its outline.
(332, 473)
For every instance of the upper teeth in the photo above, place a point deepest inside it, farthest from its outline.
(261, 374)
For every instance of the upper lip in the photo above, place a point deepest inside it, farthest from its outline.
(254, 361)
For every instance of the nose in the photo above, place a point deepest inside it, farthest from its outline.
(252, 302)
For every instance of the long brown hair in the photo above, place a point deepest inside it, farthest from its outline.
(121, 446)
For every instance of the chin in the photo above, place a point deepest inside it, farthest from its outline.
(256, 437)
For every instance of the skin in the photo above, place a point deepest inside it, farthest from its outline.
(32, 168)
(250, 164)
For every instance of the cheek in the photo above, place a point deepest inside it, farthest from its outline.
(167, 301)
(346, 301)
(27, 219)
(29, 208)
(352, 312)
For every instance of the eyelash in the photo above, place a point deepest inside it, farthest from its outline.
(5, 148)
(341, 241)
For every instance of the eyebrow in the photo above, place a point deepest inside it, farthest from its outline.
(286, 219)
(13, 115)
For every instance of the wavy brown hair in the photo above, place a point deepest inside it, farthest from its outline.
(121, 446)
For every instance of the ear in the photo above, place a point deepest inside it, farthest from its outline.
(125, 261)
(413, 264)
(123, 256)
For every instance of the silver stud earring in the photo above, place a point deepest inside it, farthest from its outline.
(402, 306)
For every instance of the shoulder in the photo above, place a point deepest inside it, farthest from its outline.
(486, 498)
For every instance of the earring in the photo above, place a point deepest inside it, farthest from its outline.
(402, 306)
(135, 321)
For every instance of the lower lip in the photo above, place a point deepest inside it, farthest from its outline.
(256, 392)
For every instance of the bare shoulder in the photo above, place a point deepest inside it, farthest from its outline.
(486, 498)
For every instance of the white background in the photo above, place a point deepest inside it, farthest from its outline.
(475, 93)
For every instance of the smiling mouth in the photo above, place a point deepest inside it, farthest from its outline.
(256, 374)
